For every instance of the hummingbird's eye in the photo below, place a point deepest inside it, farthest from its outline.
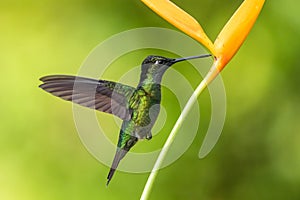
(158, 62)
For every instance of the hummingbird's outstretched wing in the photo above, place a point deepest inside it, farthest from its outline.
(102, 95)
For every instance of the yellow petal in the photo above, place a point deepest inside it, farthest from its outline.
(180, 19)
(236, 30)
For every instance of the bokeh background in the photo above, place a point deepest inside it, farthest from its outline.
(42, 157)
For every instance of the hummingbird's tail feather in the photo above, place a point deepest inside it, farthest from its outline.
(119, 155)
(126, 142)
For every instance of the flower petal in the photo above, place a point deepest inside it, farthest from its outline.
(180, 19)
(236, 30)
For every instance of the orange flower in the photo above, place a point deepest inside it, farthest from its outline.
(236, 30)
(228, 41)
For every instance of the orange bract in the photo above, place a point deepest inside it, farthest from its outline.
(236, 30)
(230, 38)
(180, 19)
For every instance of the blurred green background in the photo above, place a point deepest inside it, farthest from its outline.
(41, 156)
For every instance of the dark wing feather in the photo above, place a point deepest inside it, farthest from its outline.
(105, 96)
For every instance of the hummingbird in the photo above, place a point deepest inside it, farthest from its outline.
(137, 107)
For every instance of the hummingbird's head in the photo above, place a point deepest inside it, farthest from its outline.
(158, 61)
(157, 65)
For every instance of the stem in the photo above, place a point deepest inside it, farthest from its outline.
(208, 78)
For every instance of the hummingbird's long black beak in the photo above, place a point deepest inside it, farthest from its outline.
(190, 57)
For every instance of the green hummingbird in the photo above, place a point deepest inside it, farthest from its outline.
(137, 107)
